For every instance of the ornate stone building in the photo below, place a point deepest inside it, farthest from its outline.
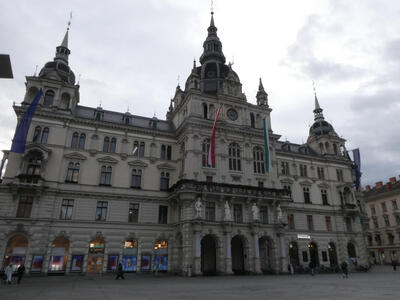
(383, 233)
(95, 187)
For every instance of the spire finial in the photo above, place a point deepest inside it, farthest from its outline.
(317, 110)
(69, 21)
(212, 7)
(177, 79)
(260, 86)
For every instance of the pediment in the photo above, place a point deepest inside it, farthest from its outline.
(37, 146)
(287, 181)
(323, 185)
(107, 160)
(137, 163)
(166, 166)
(75, 155)
(306, 183)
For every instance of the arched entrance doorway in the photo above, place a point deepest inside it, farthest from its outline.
(237, 248)
(59, 255)
(313, 249)
(208, 255)
(160, 256)
(16, 251)
(96, 255)
(266, 254)
(332, 254)
(351, 251)
(294, 254)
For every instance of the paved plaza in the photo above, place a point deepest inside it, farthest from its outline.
(380, 283)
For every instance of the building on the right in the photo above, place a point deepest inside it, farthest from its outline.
(383, 233)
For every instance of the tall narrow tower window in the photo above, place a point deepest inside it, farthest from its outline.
(48, 98)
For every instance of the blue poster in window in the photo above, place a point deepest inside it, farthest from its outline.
(112, 262)
(129, 263)
(160, 263)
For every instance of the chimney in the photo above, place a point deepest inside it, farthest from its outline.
(367, 187)
(392, 180)
(378, 184)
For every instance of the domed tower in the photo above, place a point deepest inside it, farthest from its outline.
(57, 81)
(213, 68)
(322, 137)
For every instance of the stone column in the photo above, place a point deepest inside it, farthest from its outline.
(196, 267)
(228, 250)
(257, 266)
(283, 258)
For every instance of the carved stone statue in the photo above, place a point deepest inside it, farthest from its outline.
(228, 214)
(279, 213)
(256, 212)
(198, 207)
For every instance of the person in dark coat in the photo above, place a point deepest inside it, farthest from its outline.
(20, 272)
(120, 272)
(311, 265)
(345, 272)
(394, 264)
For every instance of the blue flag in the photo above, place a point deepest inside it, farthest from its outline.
(19, 140)
(357, 163)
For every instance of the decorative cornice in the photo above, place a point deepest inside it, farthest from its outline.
(137, 163)
(75, 155)
(166, 166)
(107, 160)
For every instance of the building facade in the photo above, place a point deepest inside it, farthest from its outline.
(383, 233)
(95, 187)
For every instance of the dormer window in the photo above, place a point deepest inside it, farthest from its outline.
(127, 120)
(48, 98)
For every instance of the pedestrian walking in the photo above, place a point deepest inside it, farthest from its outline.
(8, 271)
(394, 264)
(311, 265)
(20, 272)
(345, 272)
(120, 272)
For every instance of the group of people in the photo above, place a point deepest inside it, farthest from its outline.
(8, 273)
(311, 265)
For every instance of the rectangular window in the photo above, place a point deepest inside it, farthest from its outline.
(320, 172)
(101, 210)
(261, 184)
(209, 179)
(383, 205)
(378, 239)
(264, 214)
(136, 178)
(386, 219)
(324, 196)
(310, 222)
(349, 226)
(209, 210)
(375, 220)
(133, 213)
(162, 214)
(24, 207)
(288, 188)
(373, 210)
(339, 174)
(328, 223)
(285, 168)
(290, 218)
(394, 204)
(303, 170)
(66, 209)
(164, 181)
(306, 193)
(238, 213)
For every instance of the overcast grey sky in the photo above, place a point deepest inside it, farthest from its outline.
(130, 54)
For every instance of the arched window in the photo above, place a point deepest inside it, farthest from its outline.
(82, 140)
(34, 164)
(113, 145)
(105, 175)
(65, 99)
(258, 160)
(74, 142)
(252, 121)
(59, 254)
(327, 147)
(163, 152)
(106, 144)
(48, 98)
(169, 152)
(321, 148)
(16, 250)
(205, 111)
(160, 255)
(96, 246)
(234, 157)
(141, 149)
(205, 147)
(306, 194)
(45, 135)
(351, 250)
(164, 181)
(73, 172)
(36, 134)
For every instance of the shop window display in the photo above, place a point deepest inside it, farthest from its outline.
(59, 255)
(77, 263)
(112, 263)
(16, 251)
(37, 262)
(96, 256)
(160, 256)
(129, 259)
(145, 262)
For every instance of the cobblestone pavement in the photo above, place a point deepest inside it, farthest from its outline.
(380, 283)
